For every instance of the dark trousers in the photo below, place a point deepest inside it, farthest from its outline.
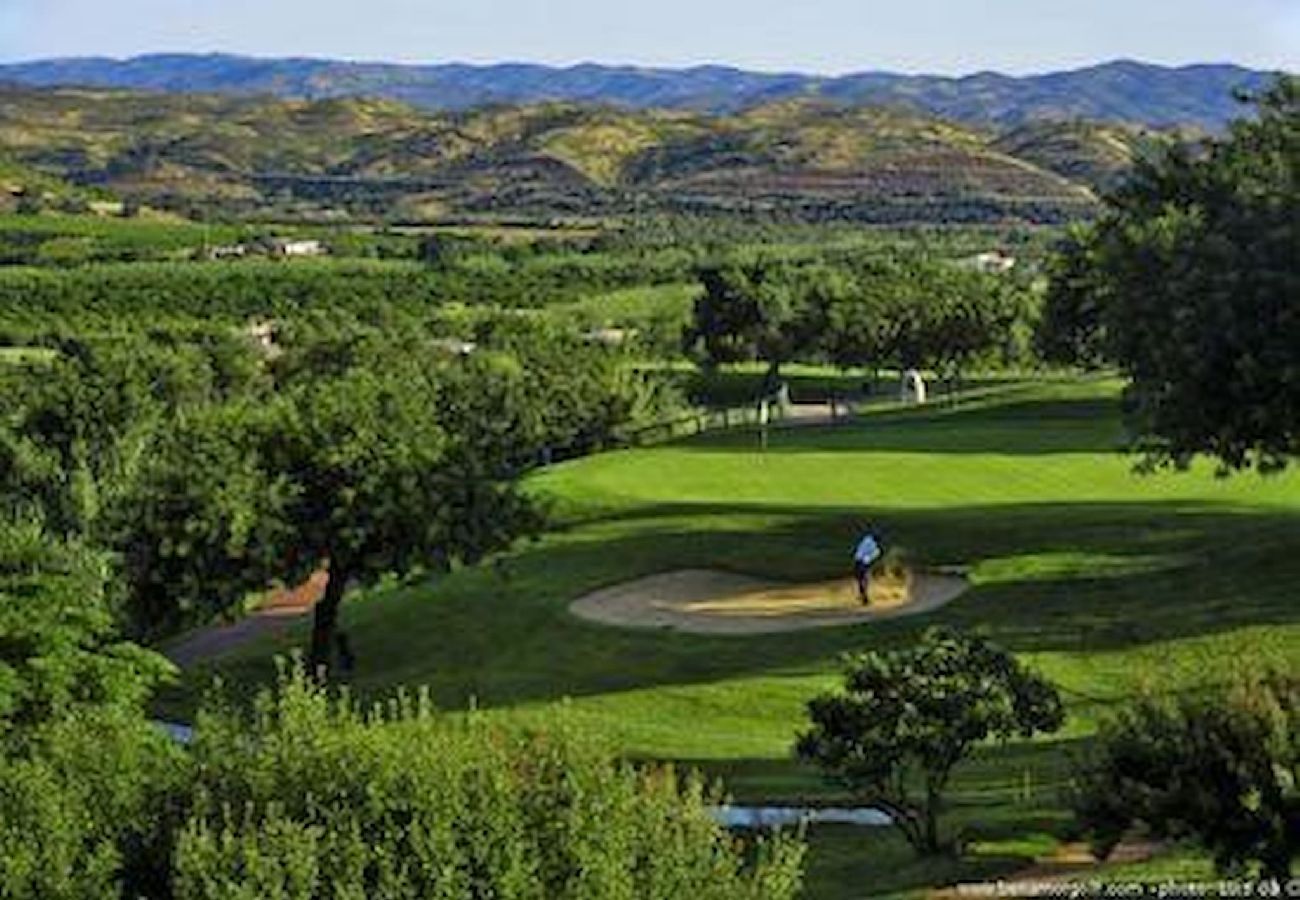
(862, 573)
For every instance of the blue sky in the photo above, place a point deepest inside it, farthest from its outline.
(831, 36)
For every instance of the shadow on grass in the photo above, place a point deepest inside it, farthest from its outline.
(1076, 578)
(1060, 425)
(1006, 804)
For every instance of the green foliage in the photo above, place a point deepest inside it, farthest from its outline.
(103, 296)
(198, 523)
(860, 311)
(83, 777)
(757, 310)
(313, 796)
(379, 454)
(1190, 280)
(81, 423)
(1072, 330)
(907, 717)
(86, 808)
(58, 650)
(1222, 769)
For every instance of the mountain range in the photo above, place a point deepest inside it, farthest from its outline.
(1121, 91)
(347, 157)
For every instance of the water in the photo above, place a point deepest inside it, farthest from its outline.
(790, 816)
(181, 734)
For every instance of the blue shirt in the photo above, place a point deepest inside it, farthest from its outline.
(868, 550)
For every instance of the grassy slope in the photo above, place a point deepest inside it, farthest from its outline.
(1105, 580)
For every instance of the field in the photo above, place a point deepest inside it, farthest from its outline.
(1106, 580)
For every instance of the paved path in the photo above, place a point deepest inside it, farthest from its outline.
(275, 614)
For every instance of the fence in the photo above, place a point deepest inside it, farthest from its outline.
(687, 425)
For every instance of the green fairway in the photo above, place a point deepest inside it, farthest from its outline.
(1106, 580)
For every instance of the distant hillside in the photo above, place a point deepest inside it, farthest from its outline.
(808, 158)
(24, 188)
(1130, 92)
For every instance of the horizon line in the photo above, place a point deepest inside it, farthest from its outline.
(1065, 68)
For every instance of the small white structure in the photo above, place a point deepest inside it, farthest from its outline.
(991, 262)
(227, 251)
(290, 247)
(913, 392)
(610, 337)
(782, 398)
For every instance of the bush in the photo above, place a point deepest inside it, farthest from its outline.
(84, 808)
(313, 796)
(1219, 769)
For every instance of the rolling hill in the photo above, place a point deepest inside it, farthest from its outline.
(1121, 91)
(808, 157)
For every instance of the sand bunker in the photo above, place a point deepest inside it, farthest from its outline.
(704, 601)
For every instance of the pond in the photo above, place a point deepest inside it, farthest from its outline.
(789, 816)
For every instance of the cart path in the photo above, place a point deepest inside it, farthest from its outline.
(277, 613)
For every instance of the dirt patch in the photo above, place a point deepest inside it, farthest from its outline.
(704, 601)
(276, 613)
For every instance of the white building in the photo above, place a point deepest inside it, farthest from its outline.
(295, 247)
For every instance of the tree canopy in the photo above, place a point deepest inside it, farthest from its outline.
(907, 717)
(1222, 769)
(1190, 283)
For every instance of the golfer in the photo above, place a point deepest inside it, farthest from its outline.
(868, 552)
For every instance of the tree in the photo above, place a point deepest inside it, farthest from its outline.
(202, 520)
(1222, 769)
(1072, 330)
(84, 420)
(378, 484)
(1194, 271)
(757, 310)
(920, 313)
(907, 717)
(58, 649)
(353, 470)
(83, 773)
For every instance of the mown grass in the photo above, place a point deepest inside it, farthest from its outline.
(1107, 581)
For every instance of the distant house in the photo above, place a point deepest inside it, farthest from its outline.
(992, 262)
(296, 247)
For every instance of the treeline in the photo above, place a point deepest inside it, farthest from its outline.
(31, 298)
(377, 449)
(855, 311)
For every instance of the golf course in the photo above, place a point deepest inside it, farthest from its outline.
(1106, 580)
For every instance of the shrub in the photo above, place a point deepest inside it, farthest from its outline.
(1220, 769)
(84, 808)
(313, 796)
